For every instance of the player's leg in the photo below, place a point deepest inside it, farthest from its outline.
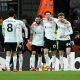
(53, 59)
(54, 51)
(20, 57)
(39, 64)
(14, 60)
(46, 51)
(47, 58)
(32, 58)
(39, 52)
(61, 53)
(14, 52)
(8, 55)
(2, 64)
(68, 50)
(20, 60)
(43, 59)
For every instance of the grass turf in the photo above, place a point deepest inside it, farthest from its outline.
(44, 75)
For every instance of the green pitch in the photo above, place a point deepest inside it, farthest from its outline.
(44, 75)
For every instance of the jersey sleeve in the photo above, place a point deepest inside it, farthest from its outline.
(69, 29)
(25, 30)
(32, 27)
(17, 33)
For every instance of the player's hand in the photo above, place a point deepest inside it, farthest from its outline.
(28, 45)
(34, 24)
(65, 21)
(18, 45)
(29, 41)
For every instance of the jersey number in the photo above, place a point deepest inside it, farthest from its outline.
(9, 28)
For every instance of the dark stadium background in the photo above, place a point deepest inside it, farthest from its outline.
(28, 8)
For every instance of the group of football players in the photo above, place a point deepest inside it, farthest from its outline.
(48, 36)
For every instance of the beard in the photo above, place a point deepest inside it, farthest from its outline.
(38, 23)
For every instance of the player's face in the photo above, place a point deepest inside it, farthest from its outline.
(48, 15)
(38, 20)
(61, 18)
(25, 21)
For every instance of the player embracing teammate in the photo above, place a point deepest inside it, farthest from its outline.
(56, 39)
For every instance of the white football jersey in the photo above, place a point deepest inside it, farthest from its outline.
(64, 29)
(50, 28)
(22, 26)
(9, 29)
(38, 35)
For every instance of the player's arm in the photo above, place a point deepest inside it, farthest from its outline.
(31, 32)
(18, 36)
(25, 30)
(69, 29)
(31, 35)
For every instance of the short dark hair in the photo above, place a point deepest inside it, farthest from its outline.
(61, 14)
(47, 12)
(39, 16)
(11, 12)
